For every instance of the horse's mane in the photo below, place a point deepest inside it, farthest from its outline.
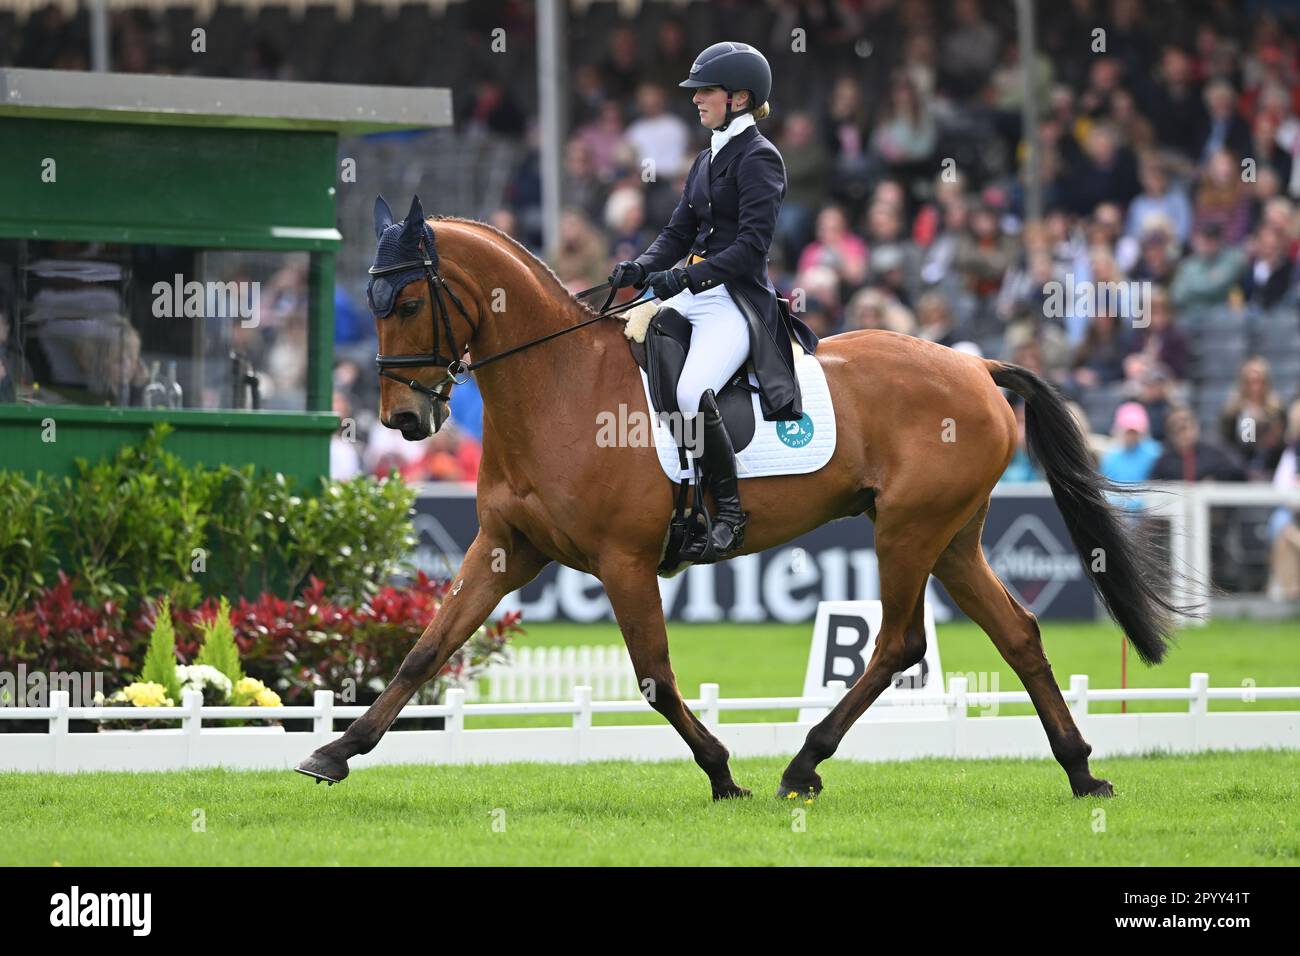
(526, 254)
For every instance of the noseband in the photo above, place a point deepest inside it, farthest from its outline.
(455, 364)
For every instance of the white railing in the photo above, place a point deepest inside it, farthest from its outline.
(553, 673)
(1188, 506)
(901, 737)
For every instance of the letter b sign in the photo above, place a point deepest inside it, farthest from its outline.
(846, 638)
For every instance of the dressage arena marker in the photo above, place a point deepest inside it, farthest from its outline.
(843, 639)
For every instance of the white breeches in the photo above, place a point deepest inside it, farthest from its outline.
(719, 343)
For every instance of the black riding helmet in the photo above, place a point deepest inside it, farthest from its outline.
(733, 66)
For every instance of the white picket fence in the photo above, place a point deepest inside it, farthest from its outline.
(552, 673)
(900, 737)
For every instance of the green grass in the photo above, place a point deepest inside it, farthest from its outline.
(1207, 809)
(769, 660)
(1204, 809)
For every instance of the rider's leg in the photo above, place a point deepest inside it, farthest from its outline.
(727, 532)
(719, 346)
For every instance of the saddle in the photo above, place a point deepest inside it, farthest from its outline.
(663, 355)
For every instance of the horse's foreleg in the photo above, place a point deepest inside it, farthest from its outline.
(634, 594)
(907, 544)
(897, 648)
(493, 567)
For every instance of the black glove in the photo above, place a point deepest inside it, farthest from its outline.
(668, 284)
(627, 273)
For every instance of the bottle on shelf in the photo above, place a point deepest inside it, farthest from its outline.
(175, 394)
(155, 393)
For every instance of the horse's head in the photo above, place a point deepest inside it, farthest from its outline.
(424, 329)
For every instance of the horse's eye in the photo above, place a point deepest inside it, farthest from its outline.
(409, 308)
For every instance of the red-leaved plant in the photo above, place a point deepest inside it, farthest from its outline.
(311, 643)
(294, 647)
(57, 631)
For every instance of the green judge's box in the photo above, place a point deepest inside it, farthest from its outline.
(167, 253)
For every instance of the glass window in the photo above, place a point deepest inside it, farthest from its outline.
(152, 326)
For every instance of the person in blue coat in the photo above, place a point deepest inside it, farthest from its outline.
(723, 227)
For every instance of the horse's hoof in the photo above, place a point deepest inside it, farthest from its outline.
(1098, 788)
(324, 768)
(806, 792)
(732, 792)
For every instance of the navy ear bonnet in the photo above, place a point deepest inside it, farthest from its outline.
(399, 242)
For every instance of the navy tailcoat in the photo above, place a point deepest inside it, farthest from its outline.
(727, 214)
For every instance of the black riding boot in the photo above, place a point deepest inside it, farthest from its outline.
(727, 533)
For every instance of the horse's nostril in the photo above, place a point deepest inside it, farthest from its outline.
(404, 421)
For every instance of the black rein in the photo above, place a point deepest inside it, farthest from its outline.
(457, 367)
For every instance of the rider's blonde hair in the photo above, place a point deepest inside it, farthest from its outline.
(763, 111)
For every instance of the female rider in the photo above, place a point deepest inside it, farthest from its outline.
(725, 221)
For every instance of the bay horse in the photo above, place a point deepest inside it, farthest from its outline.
(924, 433)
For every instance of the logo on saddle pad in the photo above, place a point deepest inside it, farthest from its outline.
(795, 434)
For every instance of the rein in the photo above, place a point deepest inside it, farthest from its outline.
(605, 313)
(458, 368)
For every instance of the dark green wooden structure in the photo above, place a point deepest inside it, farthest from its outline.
(205, 163)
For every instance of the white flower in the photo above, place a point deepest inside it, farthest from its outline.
(202, 676)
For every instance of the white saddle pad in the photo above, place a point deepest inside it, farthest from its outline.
(778, 448)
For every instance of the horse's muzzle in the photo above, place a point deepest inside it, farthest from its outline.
(417, 424)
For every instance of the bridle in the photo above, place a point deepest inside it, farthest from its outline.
(456, 366)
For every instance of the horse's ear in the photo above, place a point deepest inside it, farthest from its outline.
(417, 212)
(383, 216)
(413, 225)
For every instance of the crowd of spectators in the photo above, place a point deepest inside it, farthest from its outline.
(1168, 173)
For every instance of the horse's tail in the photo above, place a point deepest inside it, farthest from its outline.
(1119, 561)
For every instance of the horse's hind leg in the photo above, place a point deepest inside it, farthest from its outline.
(633, 592)
(1014, 631)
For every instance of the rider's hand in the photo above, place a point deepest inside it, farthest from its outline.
(667, 284)
(627, 273)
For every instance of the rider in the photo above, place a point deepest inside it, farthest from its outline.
(725, 221)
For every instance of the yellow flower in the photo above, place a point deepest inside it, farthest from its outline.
(249, 687)
(267, 698)
(147, 694)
